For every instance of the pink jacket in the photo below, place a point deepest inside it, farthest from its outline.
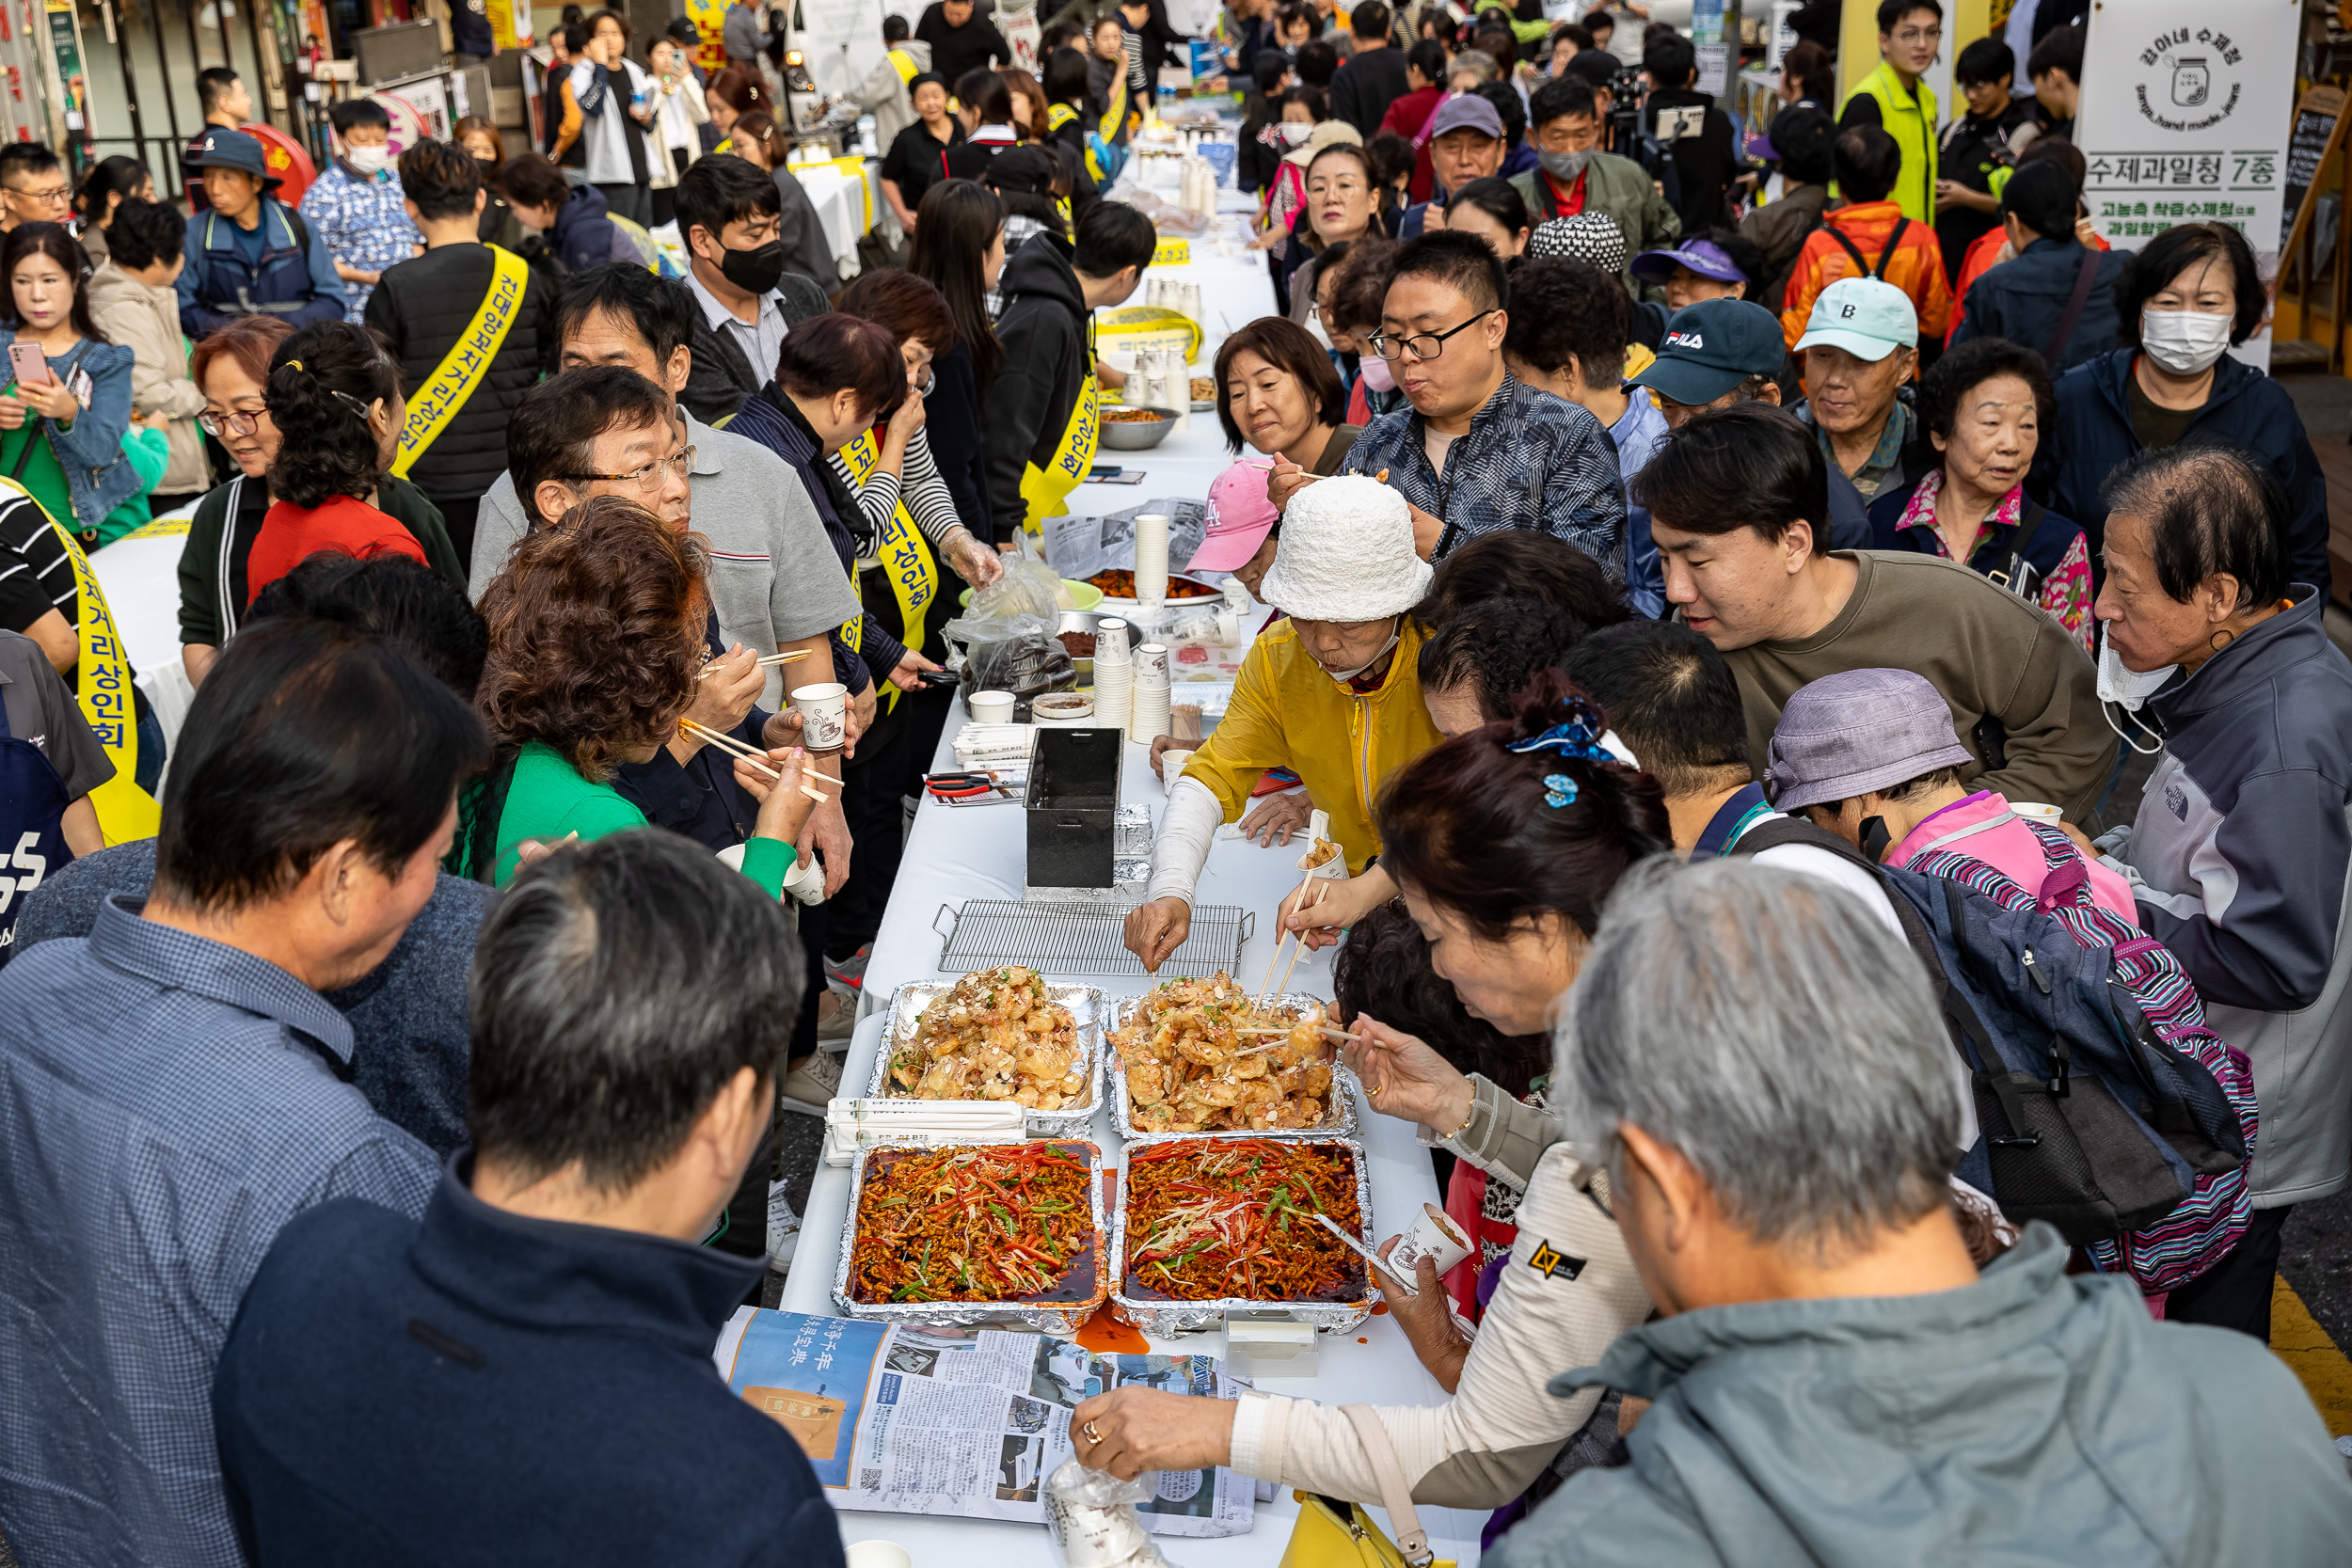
(1983, 828)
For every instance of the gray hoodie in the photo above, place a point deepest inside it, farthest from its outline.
(2241, 858)
(2028, 1417)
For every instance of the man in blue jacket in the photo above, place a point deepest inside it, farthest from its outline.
(524, 1375)
(2031, 300)
(250, 255)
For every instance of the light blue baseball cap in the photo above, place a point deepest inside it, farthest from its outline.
(1866, 317)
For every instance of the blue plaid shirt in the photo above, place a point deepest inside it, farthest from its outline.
(362, 224)
(1529, 460)
(167, 1104)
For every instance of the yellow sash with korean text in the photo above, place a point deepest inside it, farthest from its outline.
(904, 554)
(1045, 491)
(467, 363)
(102, 689)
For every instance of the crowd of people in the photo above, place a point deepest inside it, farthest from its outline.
(1718, 579)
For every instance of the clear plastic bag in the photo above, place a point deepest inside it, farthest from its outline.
(1008, 638)
(1090, 1518)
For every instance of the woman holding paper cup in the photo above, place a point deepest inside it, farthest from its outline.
(1506, 842)
(1331, 693)
(597, 641)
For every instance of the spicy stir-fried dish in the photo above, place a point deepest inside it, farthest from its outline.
(1007, 1222)
(996, 1035)
(1200, 1057)
(1120, 583)
(1235, 1217)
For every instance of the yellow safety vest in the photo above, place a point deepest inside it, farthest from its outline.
(1912, 123)
(903, 552)
(101, 679)
(467, 364)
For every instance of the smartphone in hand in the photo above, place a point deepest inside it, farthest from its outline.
(29, 365)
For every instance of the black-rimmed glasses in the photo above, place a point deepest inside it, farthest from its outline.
(1424, 345)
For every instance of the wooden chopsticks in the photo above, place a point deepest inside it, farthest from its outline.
(768, 662)
(757, 758)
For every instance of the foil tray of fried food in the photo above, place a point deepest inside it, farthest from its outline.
(1003, 1033)
(1199, 1057)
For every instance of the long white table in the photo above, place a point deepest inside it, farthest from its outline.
(958, 853)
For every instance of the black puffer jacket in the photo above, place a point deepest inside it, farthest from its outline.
(422, 306)
(1047, 361)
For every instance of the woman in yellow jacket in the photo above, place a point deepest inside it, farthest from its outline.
(1330, 693)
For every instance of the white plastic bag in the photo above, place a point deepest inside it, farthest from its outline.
(1090, 1517)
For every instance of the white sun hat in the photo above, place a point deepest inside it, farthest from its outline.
(1346, 554)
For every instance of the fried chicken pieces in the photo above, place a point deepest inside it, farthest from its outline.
(1191, 1070)
(996, 1035)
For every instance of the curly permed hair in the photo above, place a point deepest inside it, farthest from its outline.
(595, 635)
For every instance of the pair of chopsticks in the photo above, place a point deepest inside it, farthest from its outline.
(758, 759)
(1367, 1255)
(1268, 987)
(768, 662)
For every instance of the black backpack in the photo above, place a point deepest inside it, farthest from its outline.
(2086, 1118)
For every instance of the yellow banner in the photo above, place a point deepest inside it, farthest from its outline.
(465, 364)
(103, 687)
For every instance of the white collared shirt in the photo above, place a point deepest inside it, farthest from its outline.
(761, 339)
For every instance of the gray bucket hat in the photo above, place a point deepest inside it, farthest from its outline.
(1856, 731)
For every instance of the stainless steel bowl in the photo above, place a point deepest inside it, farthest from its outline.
(1137, 435)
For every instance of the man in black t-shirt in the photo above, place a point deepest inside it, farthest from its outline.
(1692, 132)
(1372, 77)
(961, 39)
(1978, 148)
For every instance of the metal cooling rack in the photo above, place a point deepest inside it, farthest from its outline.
(1059, 938)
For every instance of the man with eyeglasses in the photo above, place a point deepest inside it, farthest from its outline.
(1477, 451)
(1910, 32)
(33, 186)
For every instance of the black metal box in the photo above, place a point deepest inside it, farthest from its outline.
(1073, 807)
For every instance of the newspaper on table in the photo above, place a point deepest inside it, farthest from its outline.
(904, 1418)
(1077, 547)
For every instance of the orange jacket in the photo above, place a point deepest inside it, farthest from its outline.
(1917, 267)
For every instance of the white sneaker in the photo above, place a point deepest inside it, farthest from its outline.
(784, 1230)
(812, 1084)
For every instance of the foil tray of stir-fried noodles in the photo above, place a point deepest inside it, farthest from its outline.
(1006, 1033)
(1201, 1056)
(1211, 1227)
(1001, 1233)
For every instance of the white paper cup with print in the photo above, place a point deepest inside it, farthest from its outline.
(1151, 664)
(991, 708)
(1172, 766)
(1110, 642)
(2039, 810)
(824, 711)
(1435, 1236)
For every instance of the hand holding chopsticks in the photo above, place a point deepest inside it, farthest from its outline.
(759, 760)
(1297, 901)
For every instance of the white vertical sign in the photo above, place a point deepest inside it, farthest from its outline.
(2185, 120)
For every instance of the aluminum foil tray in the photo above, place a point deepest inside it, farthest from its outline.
(1048, 1317)
(1339, 1108)
(1085, 1007)
(1157, 1316)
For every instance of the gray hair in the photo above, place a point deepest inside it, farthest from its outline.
(1774, 1031)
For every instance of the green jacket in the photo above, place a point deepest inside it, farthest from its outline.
(2030, 1417)
(1911, 121)
(1619, 188)
(213, 590)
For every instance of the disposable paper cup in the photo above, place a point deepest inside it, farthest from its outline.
(1152, 548)
(1151, 664)
(1110, 642)
(988, 707)
(878, 1554)
(1172, 766)
(824, 712)
(1332, 870)
(1435, 1236)
(2037, 810)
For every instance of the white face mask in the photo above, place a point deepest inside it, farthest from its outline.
(369, 161)
(1344, 676)
(1294, 133)
(2184, 342)
(2128, 690)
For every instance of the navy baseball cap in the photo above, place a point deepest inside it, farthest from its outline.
(1711, 347)
(235, 150)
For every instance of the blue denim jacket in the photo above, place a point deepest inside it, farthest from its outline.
(98, 475)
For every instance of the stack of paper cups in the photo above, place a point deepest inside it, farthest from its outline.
(1114, 673)
(1152, 557)
(1149, 718)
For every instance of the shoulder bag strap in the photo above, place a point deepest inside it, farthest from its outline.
(2063, 333)
(1839, 235)
(2029, 523)
(1894, 238)
(1411, 1540)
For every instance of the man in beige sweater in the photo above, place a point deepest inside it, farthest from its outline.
(1733, 500)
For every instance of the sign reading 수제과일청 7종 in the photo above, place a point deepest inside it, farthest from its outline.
(2185, 119)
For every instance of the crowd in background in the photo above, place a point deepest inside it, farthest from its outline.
(1718, 578)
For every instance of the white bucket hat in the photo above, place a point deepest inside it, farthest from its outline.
(1346, 554)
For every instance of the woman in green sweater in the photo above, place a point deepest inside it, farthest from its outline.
(596, 639)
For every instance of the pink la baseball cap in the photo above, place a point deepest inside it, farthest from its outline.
(1239, 517)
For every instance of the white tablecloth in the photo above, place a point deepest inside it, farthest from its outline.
(841, 200)
(956, 853)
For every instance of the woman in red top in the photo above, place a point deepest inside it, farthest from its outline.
(334, 395)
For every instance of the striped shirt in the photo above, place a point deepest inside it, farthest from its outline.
(35, 574)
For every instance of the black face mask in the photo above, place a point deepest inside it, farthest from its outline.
(755, 271)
